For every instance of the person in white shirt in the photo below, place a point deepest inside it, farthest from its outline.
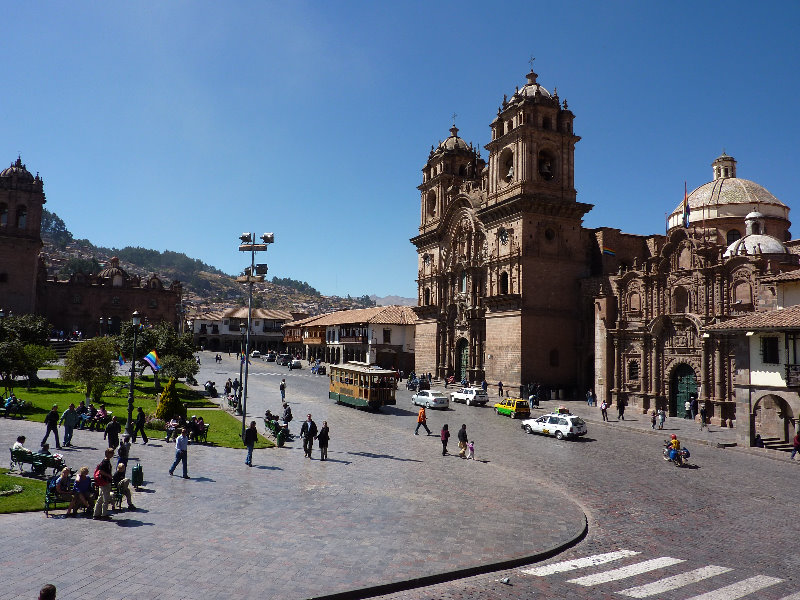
(181, 448)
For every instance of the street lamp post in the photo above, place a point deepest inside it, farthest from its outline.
(241, 367)
(255, 273)
(129, 425)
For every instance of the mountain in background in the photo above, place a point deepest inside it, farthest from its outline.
(204, 287)
(393, 301)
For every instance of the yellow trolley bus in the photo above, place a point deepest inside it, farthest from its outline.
(360, 384)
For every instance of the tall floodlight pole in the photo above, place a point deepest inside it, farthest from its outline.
(129, 425)
(253, 274)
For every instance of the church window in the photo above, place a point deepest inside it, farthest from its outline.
(685, 258)
(769, 350)
(680, 300)
(546, 166)
(463, 283)
(554, 357)
(733, 235)
(430, 203)
(387, 336)
(426, 296)
(462, 170)
(635, 302)
(633, 371)
(3, 215)
(117, 281)
(507, 165)
(741, 293)
(547, 123)
(503, 283)
(756, 229)
(549, 235)
(22, 217)
(725, 171)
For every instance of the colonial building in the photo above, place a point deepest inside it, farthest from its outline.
(224, 330)
(512, 287)
(91, 304)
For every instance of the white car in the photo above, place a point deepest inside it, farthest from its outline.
(255, 354)
(296, 364)
(560, 425)
(470, 395)
(430, 399)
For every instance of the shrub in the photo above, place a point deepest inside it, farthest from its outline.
(169, 404)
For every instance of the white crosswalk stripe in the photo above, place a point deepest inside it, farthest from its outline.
(579, 563)
(673, 583)
(625, 572)
(739, 589)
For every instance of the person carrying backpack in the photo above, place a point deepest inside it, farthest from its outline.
(103, 477)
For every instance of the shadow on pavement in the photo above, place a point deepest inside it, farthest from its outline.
(267, 467)
(131, 523)
(389, 456)
(203, 479)
(397, 412)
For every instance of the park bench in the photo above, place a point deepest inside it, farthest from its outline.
(39, 462)
(16, 409)
(202, 436)
(51, 496)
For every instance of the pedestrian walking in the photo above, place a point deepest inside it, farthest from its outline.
(620, 409)
(103, 477)
(662, 416)
(287, 414)
(323, 437)
(124, 451)
(250, 438)
(445, 435)
(112, 432)
(462, 441)
(70, 419)
(283, 389)
(308, 432)
(484, 385)
(422, 421)
(138, 425)
(471, 450)
(181, 451)
(795, 446)
(652, 419)
(590, 397)
(694, 407)
(604, 410)
(500, 388)
(51, 421)
(702, 417)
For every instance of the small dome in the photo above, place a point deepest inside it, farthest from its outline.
(754, 245)
(530, 89)
(453, 142)
(18, 169)
(112, 269)
(754, 216)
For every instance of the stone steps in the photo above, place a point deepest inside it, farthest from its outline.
(776, 444)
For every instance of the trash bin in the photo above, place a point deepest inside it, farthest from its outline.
(281, 438)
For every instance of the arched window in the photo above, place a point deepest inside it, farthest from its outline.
(22, 217)
(546, 166)
(503, 283)
(733, 235)
(463, 282)
(426, 296)
(680, 300)
(3, 215)
(430, 203)
(507, 165)
(633, 371)
(554, 357)
(635, 302)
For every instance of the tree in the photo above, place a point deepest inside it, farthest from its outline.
(175, 351)
(26, 329)
(54, 227)
(92, 363)
(169, 404)
(12, 363)
(34, 358)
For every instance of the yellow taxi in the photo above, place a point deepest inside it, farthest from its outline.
(513, 407)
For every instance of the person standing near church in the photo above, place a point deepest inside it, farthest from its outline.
(51, 421)
(500, 388)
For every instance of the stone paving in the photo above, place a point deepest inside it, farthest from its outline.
(386, 507)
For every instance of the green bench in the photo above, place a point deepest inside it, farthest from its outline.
(39, 462)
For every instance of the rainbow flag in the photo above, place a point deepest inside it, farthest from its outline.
(152, 360)
(609, 251)
(121, 359)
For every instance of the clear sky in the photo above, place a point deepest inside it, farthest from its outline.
(178, 125)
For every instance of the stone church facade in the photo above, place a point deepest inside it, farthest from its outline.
(513, 288)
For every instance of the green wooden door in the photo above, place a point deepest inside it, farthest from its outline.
(462, 359)
(684, 387)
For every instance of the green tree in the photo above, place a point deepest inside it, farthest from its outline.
(91, 363)
(35, 357)
(54, 227)
(75, 264)
(175, 351)
(12, 363)
(169, 404)
(26, 329)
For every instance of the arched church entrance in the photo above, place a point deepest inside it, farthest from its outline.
(462, 359)
(773, 419)
(683, 388)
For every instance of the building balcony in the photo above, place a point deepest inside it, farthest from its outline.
(792, 375)
(313, 341)
(292, 339)
(353, 339)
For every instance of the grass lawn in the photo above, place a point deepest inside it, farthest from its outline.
(31, 497)
(58, 391)
(225, 430)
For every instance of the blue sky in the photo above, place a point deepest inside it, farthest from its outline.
(178, 125)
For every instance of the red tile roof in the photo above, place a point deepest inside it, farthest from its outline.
(784, 318)
(378, 315)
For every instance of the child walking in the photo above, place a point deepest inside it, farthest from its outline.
(471, 450)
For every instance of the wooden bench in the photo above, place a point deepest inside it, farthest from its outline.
(202, 436)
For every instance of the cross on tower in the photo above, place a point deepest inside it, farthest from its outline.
(454, 119)
(530, 62)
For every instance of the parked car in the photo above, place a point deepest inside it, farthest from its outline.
(559, 425)
(283, 360)
(255, 354)
(430, 399)
(271, 356)
(418, 384)
(296, 364)
(516, 408)
(469, 395)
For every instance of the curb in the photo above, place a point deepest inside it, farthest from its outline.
(427, 580)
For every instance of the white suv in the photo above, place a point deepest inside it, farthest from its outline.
(470, 395)
(560, 425)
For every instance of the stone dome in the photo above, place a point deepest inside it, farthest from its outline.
(112, 269)
(453, 142)
(730, 190)
(18, 169)
(755, 242)
(530, 89)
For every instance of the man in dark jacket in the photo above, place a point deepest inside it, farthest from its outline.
(112, 432)
(51, 421)
(138, 426)
(250, 438)
(308, 432)
(462, 441)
